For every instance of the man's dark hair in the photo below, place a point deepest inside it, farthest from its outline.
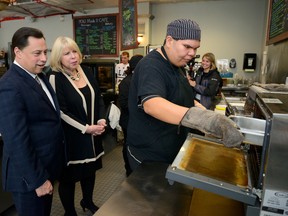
(20, 37)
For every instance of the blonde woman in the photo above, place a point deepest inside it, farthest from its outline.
(82, 112)
(207, 82)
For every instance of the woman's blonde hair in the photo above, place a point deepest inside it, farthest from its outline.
(211, 58)
(57, 51)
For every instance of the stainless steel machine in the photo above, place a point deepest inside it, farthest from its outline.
(255, 174)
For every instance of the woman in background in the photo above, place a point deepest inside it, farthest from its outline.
(82, 112)
(208, 82)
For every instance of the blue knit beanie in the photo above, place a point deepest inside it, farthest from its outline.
(184, 29)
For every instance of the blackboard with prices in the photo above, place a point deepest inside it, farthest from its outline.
(97, 35)
(277, 22)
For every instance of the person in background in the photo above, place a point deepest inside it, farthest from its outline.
(161, 101)
(121, 68)
(123, 103)
(30, 125)
(82, 112)
(208, 82)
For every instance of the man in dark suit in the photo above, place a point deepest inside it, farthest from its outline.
(30, 125)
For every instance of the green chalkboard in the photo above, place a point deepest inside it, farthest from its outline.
(97, 35)
(277, 22)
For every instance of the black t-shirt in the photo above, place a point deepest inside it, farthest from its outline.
(149, 138)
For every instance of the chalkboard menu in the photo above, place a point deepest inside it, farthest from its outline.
(278, 22)
(97, 35)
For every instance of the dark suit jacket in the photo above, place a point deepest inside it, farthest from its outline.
(31, 130)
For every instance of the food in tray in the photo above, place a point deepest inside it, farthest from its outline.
(213, 160)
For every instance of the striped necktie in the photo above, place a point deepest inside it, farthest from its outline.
(37, 80)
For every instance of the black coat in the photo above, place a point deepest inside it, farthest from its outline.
(81, 147)
(208, 85)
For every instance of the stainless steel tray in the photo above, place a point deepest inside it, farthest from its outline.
(253, 129)
(207, 164)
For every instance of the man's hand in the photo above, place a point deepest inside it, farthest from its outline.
(46, 188)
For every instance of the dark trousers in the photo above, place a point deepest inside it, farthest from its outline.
(133, 163)
(67, 193)
(29, 204)
(124, 153)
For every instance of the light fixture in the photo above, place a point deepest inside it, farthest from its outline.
(4, 4)
(140, 38)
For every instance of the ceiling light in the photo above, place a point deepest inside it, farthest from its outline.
(140, 38)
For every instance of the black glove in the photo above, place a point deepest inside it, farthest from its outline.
(213, 123)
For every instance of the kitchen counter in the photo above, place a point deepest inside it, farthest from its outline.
(235, 90)
(147, 192)
(236, 87)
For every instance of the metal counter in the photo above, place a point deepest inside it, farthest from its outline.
(235, 90)
(147, 192)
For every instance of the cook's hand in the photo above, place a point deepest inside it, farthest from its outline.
(46, 188)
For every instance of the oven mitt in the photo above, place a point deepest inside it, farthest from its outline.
(214, 124)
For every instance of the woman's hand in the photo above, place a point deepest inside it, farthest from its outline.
(102, 122)
(95, 130)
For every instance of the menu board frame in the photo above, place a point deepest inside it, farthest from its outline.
(90, 23)
(273, 17)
